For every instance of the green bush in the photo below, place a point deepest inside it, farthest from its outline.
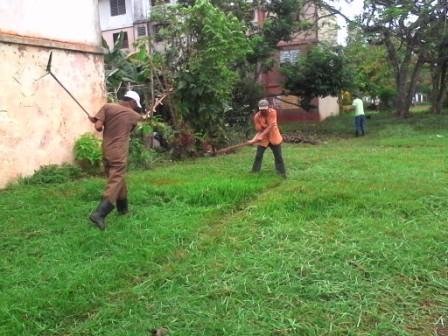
(88, 149)
(140, 155)
(387, 96)
(53, 174)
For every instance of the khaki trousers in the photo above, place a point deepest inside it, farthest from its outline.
(116, 188)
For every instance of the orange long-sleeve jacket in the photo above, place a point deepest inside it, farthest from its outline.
(262, 122)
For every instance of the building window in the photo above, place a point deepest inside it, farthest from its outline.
(141, 31)
(289, 56)
(117, 7)
(125, 41)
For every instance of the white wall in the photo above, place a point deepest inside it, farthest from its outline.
(108, 22)
(141, 9)
(39, 122)
(62, 20)
(109, 37)
(136, 10)
(328, 107)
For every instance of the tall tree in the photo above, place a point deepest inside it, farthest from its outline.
(436, 55)
(202, 45)
(401, 26)
(372, 73)
(282, 19)
(323, 71)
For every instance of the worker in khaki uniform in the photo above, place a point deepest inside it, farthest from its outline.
(116, 121)
(268, 135)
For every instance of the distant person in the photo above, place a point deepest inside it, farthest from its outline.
(116, 121)
(268, 135)
(360, 117)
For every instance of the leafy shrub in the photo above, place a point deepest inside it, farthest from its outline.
(323, 71)
(88, 149)
(186, 143)
(54, 174)
(387, 96)
(140, 153)
(164, 130)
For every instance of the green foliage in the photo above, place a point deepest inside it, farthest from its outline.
(122, 68)
(163, 128)
(185, 143)
(88, 148)
(286, 19)
(246, 95)
(53, 174)
(413, 33)
(204, 67)
(323, 71)
(371, 70)
(387, 96)
(140, 154)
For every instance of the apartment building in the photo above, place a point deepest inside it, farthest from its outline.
(324, 30)
(128, 16)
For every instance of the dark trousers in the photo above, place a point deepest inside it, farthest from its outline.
(359, 124)
(277, 151)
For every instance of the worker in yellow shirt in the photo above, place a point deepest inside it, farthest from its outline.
(360, 117)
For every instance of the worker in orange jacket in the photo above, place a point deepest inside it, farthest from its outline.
(268, 135)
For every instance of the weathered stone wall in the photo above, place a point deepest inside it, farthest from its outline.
(39, 122)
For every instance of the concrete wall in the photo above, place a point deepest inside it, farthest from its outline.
(328, 106)
(39, 122)
(138, 13)
(109, 36)
(141, 9)
(109, 22)
(62, 20)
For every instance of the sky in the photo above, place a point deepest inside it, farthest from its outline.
(350, 10)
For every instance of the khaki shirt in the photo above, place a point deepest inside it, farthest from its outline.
(118, 122)
(262, 122)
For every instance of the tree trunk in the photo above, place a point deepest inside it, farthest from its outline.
(401, 106)
(439, 76)
(406, 72)
(403, 99)
(406, 84)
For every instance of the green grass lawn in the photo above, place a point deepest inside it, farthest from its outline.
(354, 242)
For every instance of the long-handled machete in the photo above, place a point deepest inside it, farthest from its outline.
(49, 72)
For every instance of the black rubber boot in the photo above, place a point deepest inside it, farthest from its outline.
(99, 215)
(122, 206)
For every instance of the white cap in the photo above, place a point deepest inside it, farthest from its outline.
(134, 95)
(263, 104)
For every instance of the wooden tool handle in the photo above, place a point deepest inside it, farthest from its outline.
(228, 149)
